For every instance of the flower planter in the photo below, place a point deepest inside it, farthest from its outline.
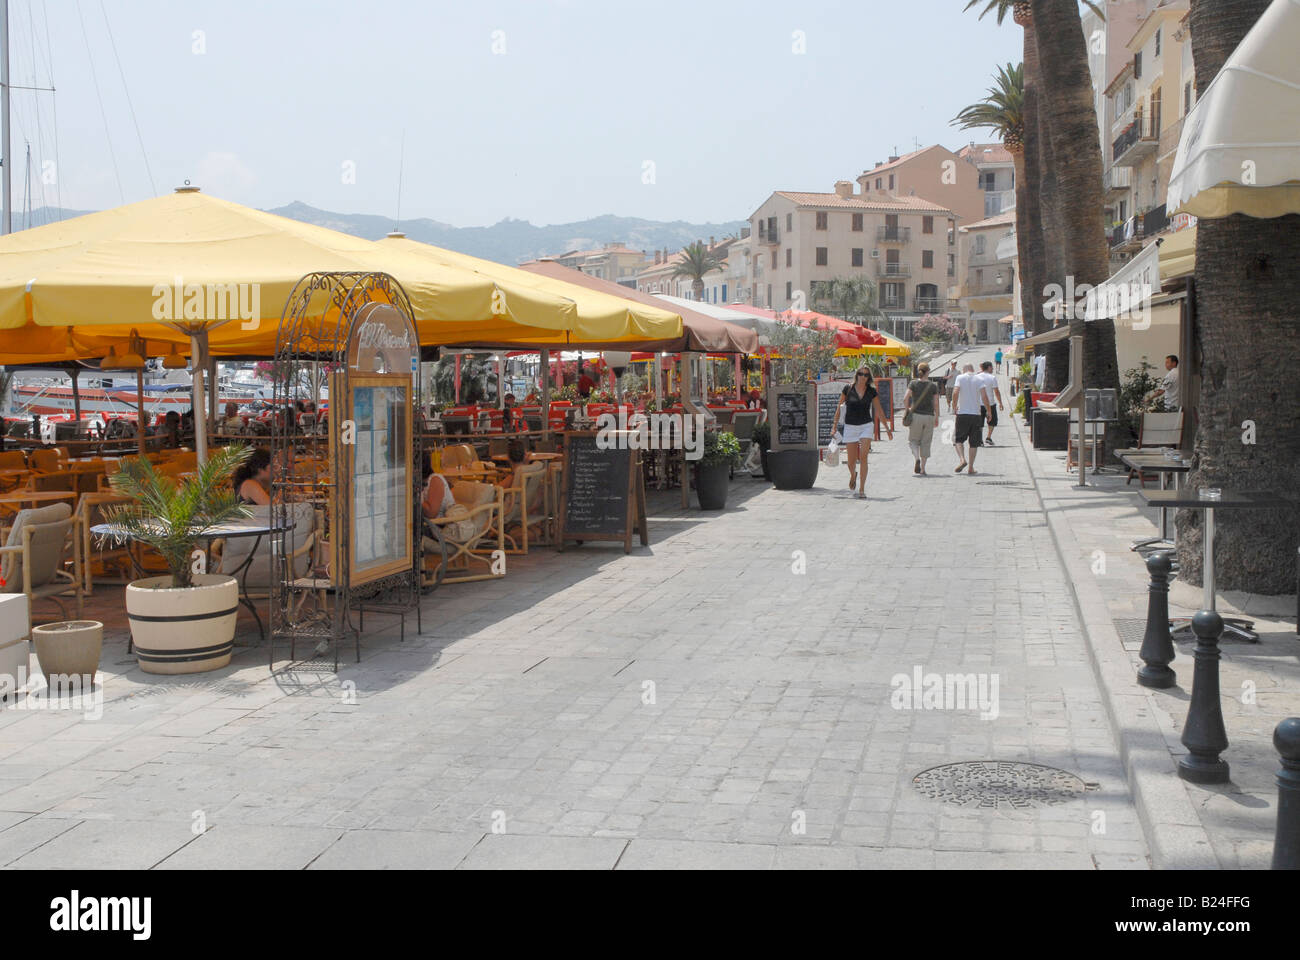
(793, 469)
(767, 470)
(711, 486)
(69, 649)
(188, 630)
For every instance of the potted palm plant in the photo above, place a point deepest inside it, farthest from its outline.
(183, 622)
(713, 473)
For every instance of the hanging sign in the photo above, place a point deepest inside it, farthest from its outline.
(382, 342)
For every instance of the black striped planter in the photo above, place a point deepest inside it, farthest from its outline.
(191, 630)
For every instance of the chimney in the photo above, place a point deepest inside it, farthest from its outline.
(844, 188)
(893, 159)
(658, 257)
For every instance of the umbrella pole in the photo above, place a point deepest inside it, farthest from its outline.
(740, 386)
(546, 393)
(139, 412)
(198, 362)
(76, 397)
(457, 380)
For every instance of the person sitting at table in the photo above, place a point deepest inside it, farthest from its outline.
(437, 498)
(233, 422)
(170, 430)
(252, 479)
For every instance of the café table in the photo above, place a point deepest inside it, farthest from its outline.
(1234, 628)
(221, 531)
(1166, 467)
(19, 498)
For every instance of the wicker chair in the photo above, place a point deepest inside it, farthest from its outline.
(39, 557)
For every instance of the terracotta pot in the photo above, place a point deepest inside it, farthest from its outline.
(186, 630)
(69, 649)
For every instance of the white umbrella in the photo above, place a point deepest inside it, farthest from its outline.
(1240, 148)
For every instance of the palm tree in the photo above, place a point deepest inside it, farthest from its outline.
(697, 262)
(1247, 286)
(847, 298)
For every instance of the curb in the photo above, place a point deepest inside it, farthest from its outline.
(1175, 835)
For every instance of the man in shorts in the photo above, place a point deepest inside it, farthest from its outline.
(990, 398)
(953, 374)
(970, 422)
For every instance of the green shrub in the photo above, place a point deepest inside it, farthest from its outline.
(721, 450)
(763, 436)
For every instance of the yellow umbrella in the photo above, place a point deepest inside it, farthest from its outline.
(601, 318)
(186, 262)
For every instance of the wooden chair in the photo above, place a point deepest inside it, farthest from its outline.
(38, 551)
(463, 532)
(45, 460)
(1156, 431)
(522, 505)
(13, 460)
(91, 511)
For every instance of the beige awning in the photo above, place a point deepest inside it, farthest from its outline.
(1051, 336)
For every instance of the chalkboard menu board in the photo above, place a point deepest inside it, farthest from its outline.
(604, 495)
(793, 410)
(900, 393)
(828, 401)
(885, 388)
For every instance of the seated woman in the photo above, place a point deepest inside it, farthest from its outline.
(437, 499)
(233, 423)
(252, 479)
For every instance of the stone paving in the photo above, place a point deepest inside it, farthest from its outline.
(719, 699)
(1230, 825)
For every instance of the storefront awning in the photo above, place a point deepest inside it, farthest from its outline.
(1051, 336)
(1240, 146)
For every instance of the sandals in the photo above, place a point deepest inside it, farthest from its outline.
(961, 467)
(853, 480)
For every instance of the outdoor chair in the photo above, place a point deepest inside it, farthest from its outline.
(743, 427)
(98, 559)
(1156, 431)
(474, 518)
(523, 505)
(45, 460)
(1093, 440)
(38, 550)
(228, 555)
(13, 460)
(49, 482)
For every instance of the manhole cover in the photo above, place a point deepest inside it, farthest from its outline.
(994, 783)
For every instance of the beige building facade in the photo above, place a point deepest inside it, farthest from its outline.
(932, 173)
(905, 245)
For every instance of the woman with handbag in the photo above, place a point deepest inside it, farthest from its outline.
(861, 406)
(921, 416)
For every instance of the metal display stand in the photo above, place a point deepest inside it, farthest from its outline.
(357, 330)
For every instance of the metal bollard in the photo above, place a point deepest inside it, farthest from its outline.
(1157, 643)
(1203, 734)
(1286, 844)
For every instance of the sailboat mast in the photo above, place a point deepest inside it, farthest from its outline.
(8, 222)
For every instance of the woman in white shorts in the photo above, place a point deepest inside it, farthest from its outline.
(860, 407)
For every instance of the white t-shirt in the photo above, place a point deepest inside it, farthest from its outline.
(1170, 384)
(989, 384)
(968, 389)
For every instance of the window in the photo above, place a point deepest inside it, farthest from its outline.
(979, 279)
(952, 265)
(789, 222)
(762, 229)
(878, 182)
(788, 291)
(927, 224)
(891, 181)
(789, 256)
(927, 259)
(724, 293)
(857, 256)
(822, 218)
(822, 258)
(1187, 98)
(891, 294)
(773, 259)
(1157, 42)
(952, 232)
(857, 223)
(1137, 65)
(979, 244)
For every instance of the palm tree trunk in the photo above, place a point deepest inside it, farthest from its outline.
(1029, 212)
(1247, 286)
(1076, 167)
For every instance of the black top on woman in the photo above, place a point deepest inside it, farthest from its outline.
(857, 406)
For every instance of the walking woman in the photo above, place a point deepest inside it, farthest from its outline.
(922, 407)
(861, 406)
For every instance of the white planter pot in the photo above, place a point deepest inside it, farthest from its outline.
(14, 652)
(69, 649)
(190, 630)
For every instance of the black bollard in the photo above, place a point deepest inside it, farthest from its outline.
(1203, 733)
(1286, 845)
(1157, 643)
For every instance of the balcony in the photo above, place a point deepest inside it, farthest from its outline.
(771, 237)
(934, 304)
(1119, 180)
(899, 235)
(1155, 220)
(1137, 141)
(893, 270)
(1128, 235)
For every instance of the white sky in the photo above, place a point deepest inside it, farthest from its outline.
(557, 128)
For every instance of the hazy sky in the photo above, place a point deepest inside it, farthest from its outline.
(544, 110)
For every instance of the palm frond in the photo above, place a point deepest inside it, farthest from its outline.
(697, 261)
(172, 517)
